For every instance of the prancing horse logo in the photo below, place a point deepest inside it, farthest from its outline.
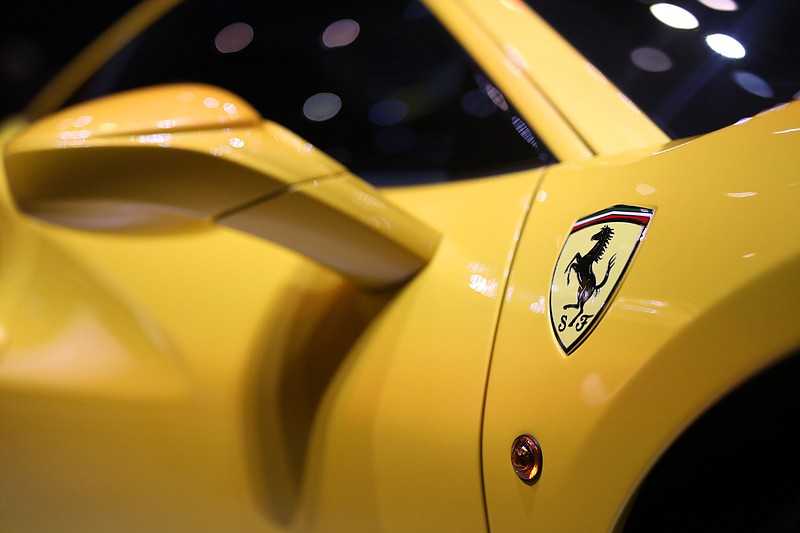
(614, 232)
(583, 267)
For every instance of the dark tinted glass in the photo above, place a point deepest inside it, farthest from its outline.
(381, 86)
(692, 80)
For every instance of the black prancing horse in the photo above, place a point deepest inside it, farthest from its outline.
(582, 265)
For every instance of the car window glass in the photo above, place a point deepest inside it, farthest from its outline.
(380, 86)
(692, 65)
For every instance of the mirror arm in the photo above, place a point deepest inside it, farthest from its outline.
(161, 157)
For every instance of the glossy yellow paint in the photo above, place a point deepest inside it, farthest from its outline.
(187, 153)
(195, 378)
(575, 109)
(201, 378)
(707, 302)
(538, 110)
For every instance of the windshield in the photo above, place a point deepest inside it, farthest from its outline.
(380, 86)
(693, 66)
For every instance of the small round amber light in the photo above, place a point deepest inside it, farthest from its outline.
(526, 458)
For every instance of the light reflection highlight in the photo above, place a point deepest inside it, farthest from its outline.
(726, 46)
(674, 16)
(380, 223)
(82, 122)
(594, 390)
(369, 201)
(483, 286)
(231, 110)
(496, 97)
(742, 194)
(539, 306)
(720, 5)
(73, 138)
(515, 57)
(219, 151)
(492, 92)
(482, 279)
(161, 139)
(641, 305)
(645, 189)
(524, 131)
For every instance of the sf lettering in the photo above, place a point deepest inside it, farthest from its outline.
(580, 322)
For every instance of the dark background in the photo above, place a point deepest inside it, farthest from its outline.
(37, 38)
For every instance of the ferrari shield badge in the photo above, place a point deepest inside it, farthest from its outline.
(595, 256)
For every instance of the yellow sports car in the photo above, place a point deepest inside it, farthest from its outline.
(464, 265)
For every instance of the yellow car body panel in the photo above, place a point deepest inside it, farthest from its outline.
(706, 303)
(219, 366)
(179, 154)
(573, 106)
(196, 378)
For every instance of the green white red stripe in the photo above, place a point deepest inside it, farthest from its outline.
(618, 213)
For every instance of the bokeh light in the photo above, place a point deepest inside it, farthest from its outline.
(651, 59)
(674, 16)
(322, 106)
(726, 46)
(340, 33)
(234, 37)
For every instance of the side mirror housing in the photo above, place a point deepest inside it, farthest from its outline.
(165, 156)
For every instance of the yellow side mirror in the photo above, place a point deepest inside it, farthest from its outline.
(170, 155)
